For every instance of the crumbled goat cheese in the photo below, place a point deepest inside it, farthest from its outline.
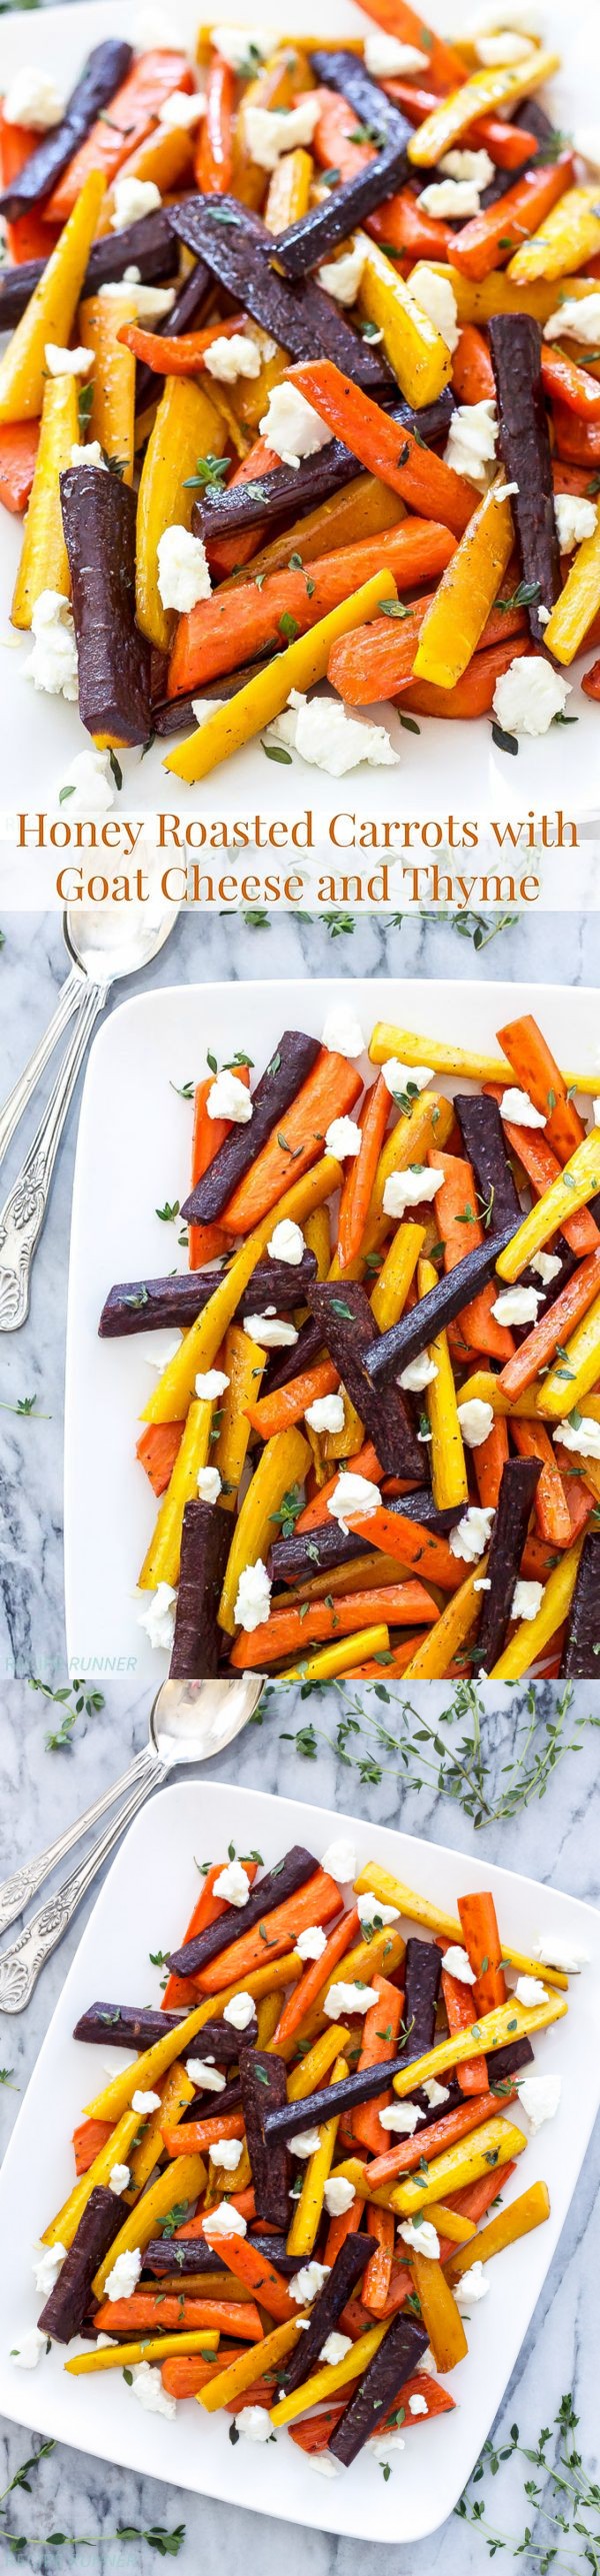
(527, 1600)
(305, 2143)
(557, 1951)
(401, 2119)
(409, 1189)
(327, 737)
(400, 1078)
(224, 2220)
(342, 1032)
(340, 1859)
(311, 1943)
(146, 2385)
(436, 2093)
(469, 165)
(323, 2462)
(183, 574)
(348, 1998)
(471, 442)
(452, 199)
(371, 1911)
(501, 49)
(123, 2279)
(28, 2352)
(457, 1964)
(254, 2423)
(544, 615)
(422, 2236)
(208, 2077)
(118, 2179)
(529, 1990)
(483, 1584)
(529, 695)
(47, 2263)
(576, 319)
(338, 2194)
(471, 2288)
(269, 131)
(503, 491)
(208, 1484)
(539, 2096)
(384, 2444)
(232, 1884)
(575, 518)
(547, 1265)
(476, 1421)
(67, 362)
(471, 1534)
(90, 779)
(437, 299)
(326, 1414)
(228, 359)
(183, 110)
(387, 59)
(307, 2283)
(290, 425)
(582, 1435)
(229, 1098)
(517, 1105)
(418, 2406)
(273, 1332)
(253, 1597)
(151, 302)
(145, 2103)
(240, 2011)
(287, 1243)
(353, 1498)
(90, 455)
(157, 1615)
(335, 2349)
(53, 662)
(517, 1305)
(103, 2340)
(341, 277)
(210, 1384)
(133, 198)
(227, 2152)
(418, 1373)
(343, 1138)
(240, 45)
(32, 100)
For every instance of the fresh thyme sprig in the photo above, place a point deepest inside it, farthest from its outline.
(418, 1754)
(564, 2500)
(86, 1703)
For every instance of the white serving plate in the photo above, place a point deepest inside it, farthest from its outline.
(447, 767)
(132, 1157)
(193, 2451)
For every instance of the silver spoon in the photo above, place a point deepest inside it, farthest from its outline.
(188, 1722)
(102, 949)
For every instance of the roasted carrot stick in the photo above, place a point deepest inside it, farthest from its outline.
(207, 1241)
(553, 1328)
(461, 1231)
(358, 1183)
(402, 226)
(157, 1450)
(151, 2308)
(551, 1511)
(377, 661)
(332, 144)
(330, 1092)
(288, 1404)
(388, 1667)
(380, 2039)
(475, 2198)
(184, 357)
(27, 237)
(207, 1909)
(214, 156)
(431, 2141)
(473, 695)
(260, 2275)
(225, 554)
(228, 630)
(340, 2228)
(304, 1995)
(19, 441)
(488, 240)
(577, 441)
(185, 2374)
(446, 68)
(376, 2277)
(537, 1073)
(508, 145)
(484, 1948)
(114, 137)
(87, 2141)
(403, 1605)
(421, 477)
(365, 1463)
(198, 2136)
(472, 371)
(314, 1903)
(460, 2012)
(569, 383)
(412, 1544)
(490, 1460)
(591, 681)
(542, 1167)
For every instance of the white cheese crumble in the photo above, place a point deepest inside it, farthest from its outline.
(151, 302)
(341, 278)
(575, 518)
(343, 1138)
(145, 2103)
(436, 2093)
(210, 1384)
(401, 2119)
(327, 737)
(269, 131)
(457, 1964)
(123, 2279)
(28, 2352)
(133, 198)
(208, 1484)
(471, 442)
(183, 574)
(146, 2385)
(471, 1534)
(418, 1373)
(437, 299)
(384, 2444)
(118, 2179)
(157, 1615)
(476, 1420)
(422, 2236)
(387, 59)
(410, 1188)
(254, 2423)
(90, 779)
(224, 2220)
(529, 1990)
(354, 1497)
(253, 1597)
(516, 1305)
(340, 1860)
(527, 1600)
(33, 100)
(229, 1098)
(326, 1414)
(289, 424)
(557, 1951)
(228, 359)
(502, 49)
(311, 1943)
(226, 2152)
(582, 1435)
(273, 1332)
(90, 455)
(348, 1998)
(452, 199)
(576, 320)
(401, 1078)
(240, 2012)
(472, 2287)
(208, 2077)
(308, 2282)
(547, 1265)
(67, 362)
(516, 1104)
(232, 1884)
(287, 1243)
(335, 2349)
(371, 1911)
(484, 1583)
(469, 165)
(53, 662)
(539, 2096)
(306, 2143)
(529, 695)
(237, 45)
(183, 110)
(418, 2405)
(342, 1032)
(47, 2263)
(338, 2194)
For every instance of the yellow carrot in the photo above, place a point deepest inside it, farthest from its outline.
(199, 1346)
(309, 2208)
(182, 2180)
(258, 703)
(122, 2356)
(508, 2021)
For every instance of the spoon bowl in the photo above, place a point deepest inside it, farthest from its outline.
(192, 1720)
(113, 941)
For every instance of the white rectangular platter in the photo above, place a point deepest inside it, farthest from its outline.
(143, 1899)
(447, 767)
(133, 1156)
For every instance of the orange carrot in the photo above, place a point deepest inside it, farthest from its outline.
(542, 1167)
(460, 2013)
(475, 2198)
(579, 1500)
(591, 681)
(431, 2141)
(225, 554)
(473, 695)
(186, 2373)
(151, 2308)
(484, 1949)
(571, 384)
(288, 1632)
(133, 111)
(19, 440)
(314, 1903)
(157, 1450)
(412, 1543)
(446, 67)
(366, 1463)
(234, 627)
(214, 156)
(315, 1976)
(377, 661)
(207, 1909)
(196, 2137)
(260, 2275)
(207, 1241)
(380, 2037)
(536, 1071)
(551, 1511)
(332, 142)
(576, 441)
(390, 1666)
(487, 241)
(330, 1092)
(87, 2141)
(402, 226)
(184, 357)
(376, 2277)
(27, 237)
(508, 145)
(288, 1404)
(339, 2229)
(553, 1328)
(461, 1231)
(359, 1179)
(490, 1460)
(421, 477)
(473, 378)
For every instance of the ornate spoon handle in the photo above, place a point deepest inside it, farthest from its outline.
(22, 1217)
(16, 1891)
(70, 999)
(20, 1965)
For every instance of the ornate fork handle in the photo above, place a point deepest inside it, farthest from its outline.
(16, 1891)
(22, 1217)
(20, 1965)
(71, 997)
